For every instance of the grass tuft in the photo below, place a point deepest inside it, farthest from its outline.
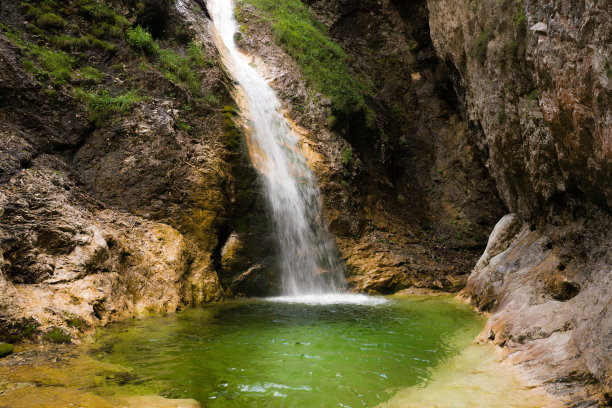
(346, 156)
(50, 21)
(140, 39)
(101, 105)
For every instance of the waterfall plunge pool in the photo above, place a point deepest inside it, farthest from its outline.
(326, 351)
(342, 351)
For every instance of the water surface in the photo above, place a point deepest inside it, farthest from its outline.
(353, 351)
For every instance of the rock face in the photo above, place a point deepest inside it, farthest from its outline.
(515, 91)
(124, 186)
(103, 218)
(534, 80)
(412, 203)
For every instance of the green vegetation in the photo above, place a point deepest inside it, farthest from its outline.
(75, 321)
(330, 121)
(50, 21)
(55, 65)
(91, 75)
(29, 330)
(232, 133)
(533, 95)
(401, 198)
(57, 335)
(346, 156)
(102, 104)
(183, 69)
(608, 69)
(322, 62)
(176, 67)
(69, 48)
(6, 349)
(520, 19)
(140, 39)
(479, 48)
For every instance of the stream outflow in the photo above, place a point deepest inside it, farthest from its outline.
(308, 256)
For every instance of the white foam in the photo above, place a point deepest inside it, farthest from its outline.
(331, 299)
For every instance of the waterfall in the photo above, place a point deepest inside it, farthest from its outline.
(307, 253)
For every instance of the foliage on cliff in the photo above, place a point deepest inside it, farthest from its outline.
(322, 62)
(82, 47)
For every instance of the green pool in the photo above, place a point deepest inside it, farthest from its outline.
(345, 351)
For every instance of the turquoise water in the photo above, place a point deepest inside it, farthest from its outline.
(259, 353)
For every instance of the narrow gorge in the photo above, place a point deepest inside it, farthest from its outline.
(299, 203)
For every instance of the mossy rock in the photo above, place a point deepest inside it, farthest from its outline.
(75, 321)
(57, 335)
(6, 349)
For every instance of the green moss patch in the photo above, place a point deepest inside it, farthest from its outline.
(57, 335)
(6, 349)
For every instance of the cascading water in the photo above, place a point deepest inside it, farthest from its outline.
(307, 253)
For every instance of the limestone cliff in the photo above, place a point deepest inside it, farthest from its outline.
(121, 170)
(125, 186)
(473, 102)
(535, 83)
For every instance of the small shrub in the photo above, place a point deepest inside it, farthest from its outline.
(140, 39)
(401, 198)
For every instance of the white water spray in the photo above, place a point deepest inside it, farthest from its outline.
(307, 253)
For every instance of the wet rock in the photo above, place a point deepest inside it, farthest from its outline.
(256, 281)
(548, 302)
